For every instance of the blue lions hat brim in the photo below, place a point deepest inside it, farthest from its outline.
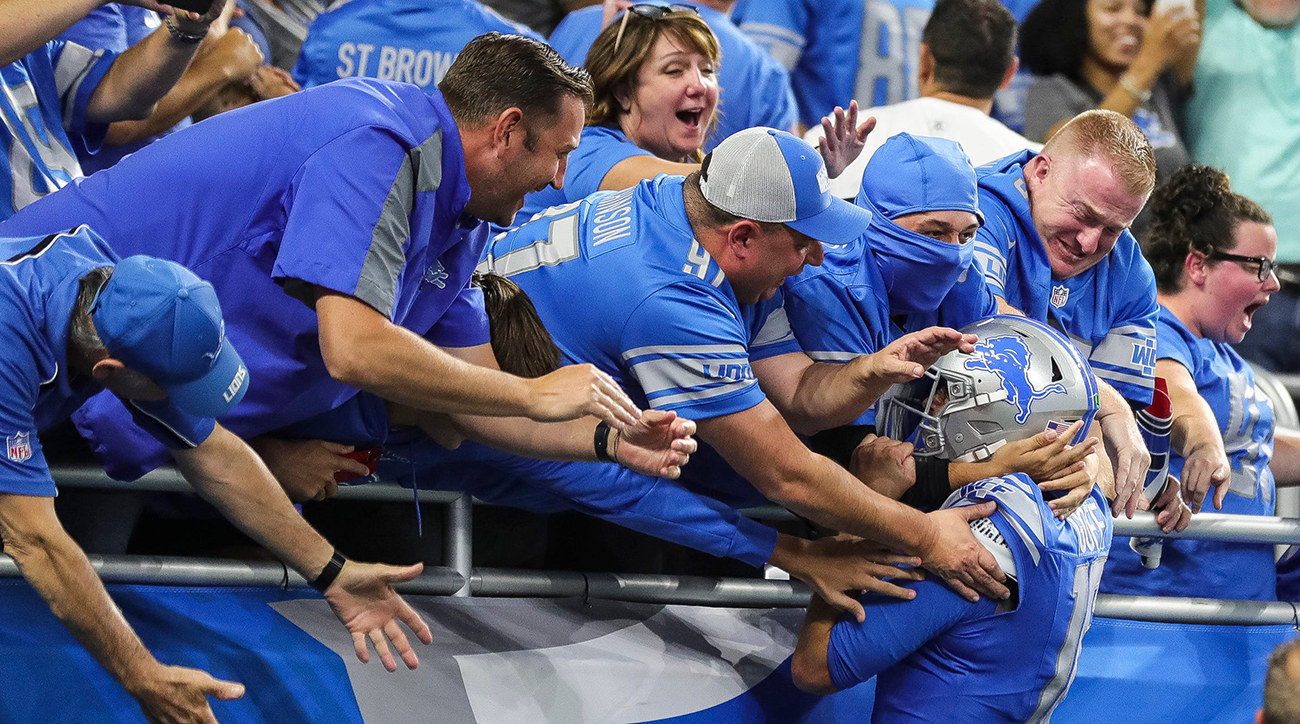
(217, 391)
(839, 223)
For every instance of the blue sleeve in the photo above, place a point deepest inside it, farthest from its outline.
(78, 71)
(893, 630)
(825, 318)
(1171, 344)
(775, 96)
(778, 26)
(464, 324)
(654, 506)
(104, 27)
(573, 37)
(772, 334)
(1126, 358)
(592, 160)
(993, 244)
(344, 232)
(23, 469)
(690, 354)
(174, 429)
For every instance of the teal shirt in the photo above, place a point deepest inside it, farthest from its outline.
(1244, 116)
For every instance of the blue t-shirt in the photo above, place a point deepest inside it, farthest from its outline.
(1108, 312)
(357, 186)
(411, 41)
(755, 88)
(940, 658)
(114, 27)
(39, 282)
(1213, 569)
(43, 101)
(841, 50)
(671, 334)
(600, 149)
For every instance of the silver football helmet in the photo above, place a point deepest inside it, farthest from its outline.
(1023, 378)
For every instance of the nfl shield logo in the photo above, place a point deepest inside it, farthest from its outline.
(1060, 293)
(19, 446)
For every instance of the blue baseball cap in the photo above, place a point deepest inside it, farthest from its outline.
(164, 322)
(763, 174)
(913, 174)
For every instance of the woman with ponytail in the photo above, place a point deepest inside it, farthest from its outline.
(1213, 252)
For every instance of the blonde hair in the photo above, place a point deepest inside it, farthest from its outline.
(614, 71)
(1113, 137)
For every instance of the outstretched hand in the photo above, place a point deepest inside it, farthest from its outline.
(364, 600)
(907, 357)
(178, 695)
(577, 391)
(1126, 448)
(659, 444)
(957, 558)
(843, 139)
(837, 568)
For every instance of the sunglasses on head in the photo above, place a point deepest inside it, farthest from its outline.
(654, 12)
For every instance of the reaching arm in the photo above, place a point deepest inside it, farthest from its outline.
(228, 474)
(816, 396)
(143, 73)
(363, 349)
(1124, 447)
(60, 572)
(29, 25)
(1194, 434)
(1286, 457)
(761, 447)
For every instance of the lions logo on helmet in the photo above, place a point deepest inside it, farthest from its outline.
(1023, 378)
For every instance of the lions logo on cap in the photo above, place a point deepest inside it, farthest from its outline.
(823, 181)
(1012, 358)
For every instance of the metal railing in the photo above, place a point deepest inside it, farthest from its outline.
(460, 578)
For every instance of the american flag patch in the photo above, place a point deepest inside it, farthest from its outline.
(1058, 426)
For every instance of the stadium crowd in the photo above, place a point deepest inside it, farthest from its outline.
(639, 266)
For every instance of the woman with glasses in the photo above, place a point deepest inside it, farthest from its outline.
(654, 69)
(1213, 254)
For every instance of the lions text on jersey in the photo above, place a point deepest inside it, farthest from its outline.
(1108, 311)
(940, 657)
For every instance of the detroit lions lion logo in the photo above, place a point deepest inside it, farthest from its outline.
(1012, 358)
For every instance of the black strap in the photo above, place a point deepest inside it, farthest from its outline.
(601, 443)
(330, 572)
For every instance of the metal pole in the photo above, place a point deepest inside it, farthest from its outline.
(168, 571)
(1170, 609)
(460, 540)
(1219, 526)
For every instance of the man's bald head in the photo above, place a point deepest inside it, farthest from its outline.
(1110, 137)
(1282, 686)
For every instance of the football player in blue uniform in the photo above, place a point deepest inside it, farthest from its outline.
(53, 90)
(1055, 246)
(76, 319)
(942, 658)
(1213, 251)
(347, 229)
(755, 88)
(841, 50)
(668, 287)
(411, 41)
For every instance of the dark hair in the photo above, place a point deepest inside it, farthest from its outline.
(973, 43)
(1195, 210)
(82, 337)
(1054, 38)
(1281, 689)
(495, 72)
(520, 341)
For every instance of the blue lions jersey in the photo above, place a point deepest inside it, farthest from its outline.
(1213, 569)
(43, 101)
(620, 282)
(940, 658)
(411, 41)
(40, 278)
(1108, 312)
(755, 88)
(841, 50)
(357, 186)
(600, 149)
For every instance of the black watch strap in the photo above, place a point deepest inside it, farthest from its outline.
(330, 572)
(601, 443)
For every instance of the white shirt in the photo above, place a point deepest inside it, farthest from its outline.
(981, 137)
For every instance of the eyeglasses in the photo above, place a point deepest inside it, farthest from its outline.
(654, 12)
(1265, 266)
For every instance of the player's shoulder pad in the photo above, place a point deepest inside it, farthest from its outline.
(1017, 497)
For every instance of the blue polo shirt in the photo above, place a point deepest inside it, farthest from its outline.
(43, 101)
(412, 41)
(1109, 311)
(39, 281)
(357, 186)
(755, 88)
